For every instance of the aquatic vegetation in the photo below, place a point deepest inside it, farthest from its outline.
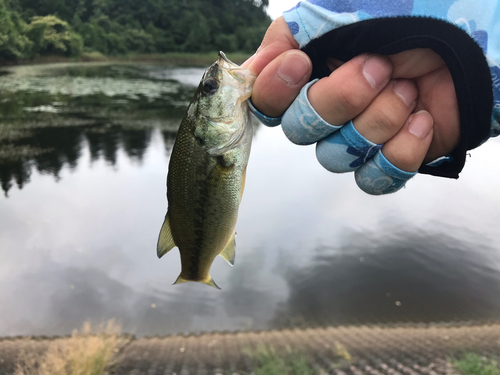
(51, 113)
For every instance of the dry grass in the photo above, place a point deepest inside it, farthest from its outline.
(86, 352)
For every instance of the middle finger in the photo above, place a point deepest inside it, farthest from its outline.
(387, 113)
(350, 88)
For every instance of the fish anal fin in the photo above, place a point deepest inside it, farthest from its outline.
(228, 253)
(165, 239)
(207, 281)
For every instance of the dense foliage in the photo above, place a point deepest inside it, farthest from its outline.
(30, 28)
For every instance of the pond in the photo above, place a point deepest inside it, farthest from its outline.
(84, 153)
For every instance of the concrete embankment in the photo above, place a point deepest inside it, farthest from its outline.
(375, 350)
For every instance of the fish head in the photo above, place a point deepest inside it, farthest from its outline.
(220, 111)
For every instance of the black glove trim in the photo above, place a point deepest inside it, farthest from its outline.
(463, 56)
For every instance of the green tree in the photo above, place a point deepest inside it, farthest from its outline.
(163, 39)
(64, 9)
(13, 44)
(226, 43)
(94, 38)
(138, 40)
(193, 32)
(52, 35)
(66, 27)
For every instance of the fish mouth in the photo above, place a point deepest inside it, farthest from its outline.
(227, 73)
(222, 56)
(242, 75)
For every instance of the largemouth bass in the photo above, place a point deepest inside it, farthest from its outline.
(206, 173)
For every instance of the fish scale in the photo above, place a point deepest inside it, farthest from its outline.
(207, 172)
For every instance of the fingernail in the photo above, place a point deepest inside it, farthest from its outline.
(406, 90)
(377, 71)
(420, 124)
(294, 68)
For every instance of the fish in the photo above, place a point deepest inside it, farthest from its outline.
(206, 173)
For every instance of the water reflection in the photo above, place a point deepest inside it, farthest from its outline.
(77, 295)
(247, 297)
(50, 149)
(89, 147)
(405, 277)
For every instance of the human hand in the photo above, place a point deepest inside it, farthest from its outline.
(406, 101)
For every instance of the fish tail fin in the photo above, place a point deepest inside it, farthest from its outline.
(181, 280)
(165, 239)
(207, 281)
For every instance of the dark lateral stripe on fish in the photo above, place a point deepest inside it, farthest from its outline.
(199, 219)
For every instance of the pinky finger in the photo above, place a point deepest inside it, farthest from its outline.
(398, 161)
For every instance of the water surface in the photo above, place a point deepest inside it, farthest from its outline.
(83, 158)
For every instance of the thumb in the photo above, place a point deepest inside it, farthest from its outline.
(277, 40)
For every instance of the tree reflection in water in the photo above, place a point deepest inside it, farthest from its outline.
(46, 130)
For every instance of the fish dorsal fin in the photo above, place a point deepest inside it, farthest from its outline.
(207, 281)
(228, 252)
(165, 239)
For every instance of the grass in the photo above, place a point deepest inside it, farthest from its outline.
(472, 364)
(88, 352)
(269, 362)
(174, 59)
(185, 59)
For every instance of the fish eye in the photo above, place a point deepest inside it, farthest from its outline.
(210, 86)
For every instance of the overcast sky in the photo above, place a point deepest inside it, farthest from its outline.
(276, 7)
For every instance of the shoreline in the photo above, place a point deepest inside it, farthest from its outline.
(174, 59)
(461, 324)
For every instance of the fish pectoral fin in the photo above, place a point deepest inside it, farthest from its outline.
(218, 176)
(165, 239)
(207, 281)
(225, 161)
(228, 253)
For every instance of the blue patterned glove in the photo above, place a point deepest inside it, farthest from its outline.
(465, 33)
